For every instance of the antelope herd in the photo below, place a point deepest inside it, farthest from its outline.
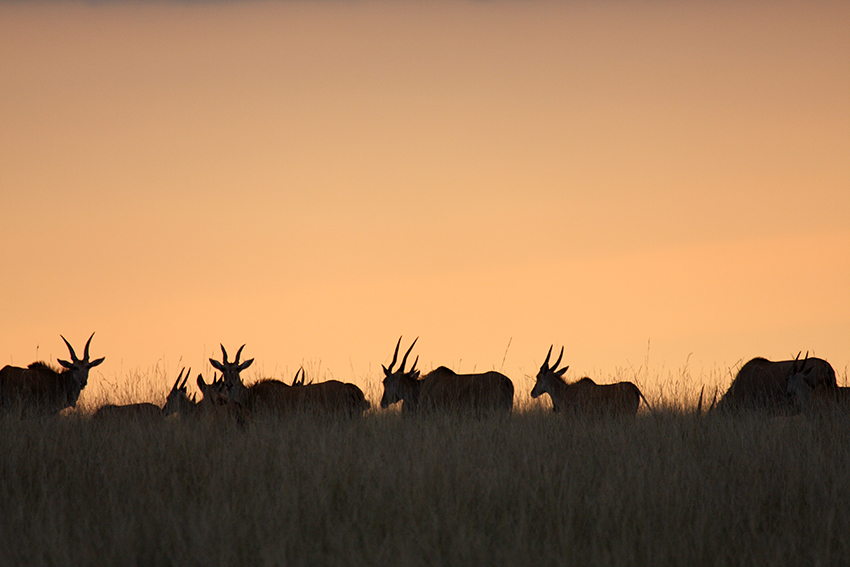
(784, 387)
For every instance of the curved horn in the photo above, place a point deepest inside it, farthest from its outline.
(71, 349)
(404, 360)
(545, 365)
(796, 366)
(238, 353)
(179, 377)
(395, 356)
(183, 385)
(86, 353)
(224, 355)
(557, 362)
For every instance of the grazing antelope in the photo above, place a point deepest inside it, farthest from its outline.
(330, 397)
(41, 389)
(807, 394)
(585, 396)
(763, 385)
(443, 389)
(177, 401)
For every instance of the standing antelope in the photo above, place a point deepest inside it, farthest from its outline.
(763, 385)
(443, 389)
(265, 395)
(273, 395)
(230, 374)
(177, 401)
(41, 389)
(585, 396)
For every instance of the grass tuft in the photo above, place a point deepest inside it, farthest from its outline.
(666, 488)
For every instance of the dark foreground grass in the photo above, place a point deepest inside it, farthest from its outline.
(529, 489)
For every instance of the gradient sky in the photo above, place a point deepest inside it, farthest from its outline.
(636, 181)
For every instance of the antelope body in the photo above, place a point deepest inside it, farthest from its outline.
(331, 396)
(41, 389)
(762, 384)
(444, 389)
(585, 396)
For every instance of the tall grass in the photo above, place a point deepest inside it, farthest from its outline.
(532, 488)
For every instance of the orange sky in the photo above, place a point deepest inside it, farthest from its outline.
(315, 179)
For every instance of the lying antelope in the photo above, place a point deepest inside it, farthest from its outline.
(177, 401)
(41, 389)
(808, 393)
(763, 385)
(585, 396)
(443, 389)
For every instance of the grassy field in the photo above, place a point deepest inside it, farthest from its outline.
(533, 488)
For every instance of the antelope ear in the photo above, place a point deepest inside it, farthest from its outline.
(386, 372)
(245, 364)
(201, 384)
(64, 363)
(415, 375)
(560, 373)
(94, 363)
(217, 365)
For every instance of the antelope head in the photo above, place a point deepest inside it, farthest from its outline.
(214, 394)
(177, 396)
(548, 374)
(230, 371)
(797, 386)
(79, 369)
(399, 384)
